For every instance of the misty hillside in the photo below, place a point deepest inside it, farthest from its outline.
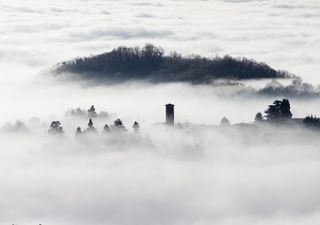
(152, 64)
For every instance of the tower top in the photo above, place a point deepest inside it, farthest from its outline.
(169, 104)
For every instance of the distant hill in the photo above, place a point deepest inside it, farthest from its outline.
(151, 64)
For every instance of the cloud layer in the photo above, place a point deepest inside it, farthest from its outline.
(162, 176)
(284, 35)
(215, 175)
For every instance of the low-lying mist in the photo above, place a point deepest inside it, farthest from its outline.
(161, 175)
(151, 64)
(199, 174)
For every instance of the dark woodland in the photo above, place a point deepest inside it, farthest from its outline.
(150, 63)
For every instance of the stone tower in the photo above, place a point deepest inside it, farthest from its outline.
(169, 114)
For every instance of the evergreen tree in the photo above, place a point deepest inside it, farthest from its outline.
(312, 121)
(118, 125)
(55, 127)
(78, 131)
(258, 117)
(279, 111)
(91, 127)
(136, 126)
(285, 109)
(273, 112)
(92, 112)
(225, 122)
(106, 128)
(90, 124)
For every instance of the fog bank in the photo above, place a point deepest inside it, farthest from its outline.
(199, 175)
(161, 176)
(284, 35)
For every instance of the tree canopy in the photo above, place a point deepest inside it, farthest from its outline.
(150, 63)
(279, 110)
(258, 117)
(55, 128)
(312, 121)
(118, 125)
(225, 122)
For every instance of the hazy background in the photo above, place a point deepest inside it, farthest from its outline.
(160, 177)
(283, 34)
(35, 35)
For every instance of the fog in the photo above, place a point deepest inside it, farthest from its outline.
(283, 34)
(161, 175)
(198, 174)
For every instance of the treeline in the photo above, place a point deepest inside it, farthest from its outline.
(150, 63)
(118, 126)
(90, 113)
(297, 88)
(279, 113)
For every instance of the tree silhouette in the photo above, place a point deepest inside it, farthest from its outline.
(150, 63)
(118, 125)
(136, 126)
(312, 121)
(279, 111)
(91, 127)
(273, 111)
(258, 117)
(78, 131)
(90, 124)
(106, 128)
(225, 122)
(55, 127)
(285, 109)
(92, 112)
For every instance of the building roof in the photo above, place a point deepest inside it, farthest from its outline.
(169, 104)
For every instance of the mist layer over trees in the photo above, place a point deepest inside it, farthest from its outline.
(158, 175)
(150, 63)
(150, 175)
(198, 175)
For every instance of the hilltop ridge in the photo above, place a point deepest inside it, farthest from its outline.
(150, 63)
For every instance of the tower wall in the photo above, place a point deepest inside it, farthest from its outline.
(170, 114)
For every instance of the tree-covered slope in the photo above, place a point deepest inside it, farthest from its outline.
(150, 63)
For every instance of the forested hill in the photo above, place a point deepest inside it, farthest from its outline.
(150, 63)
